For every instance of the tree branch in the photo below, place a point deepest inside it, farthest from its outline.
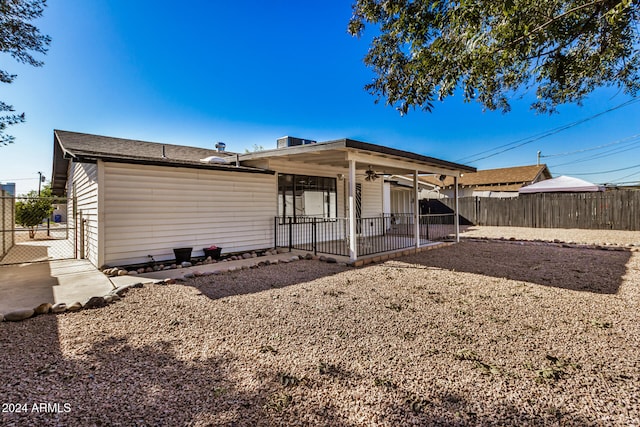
(551, 21)
(567, 42)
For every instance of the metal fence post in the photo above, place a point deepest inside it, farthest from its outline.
(290, 234)
(275, 232)
(13, 221)
(314, 237)
(427, 225)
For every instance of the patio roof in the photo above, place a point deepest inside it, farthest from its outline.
(338, 153)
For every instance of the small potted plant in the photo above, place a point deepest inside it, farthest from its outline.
(212, 251)
(182, 254)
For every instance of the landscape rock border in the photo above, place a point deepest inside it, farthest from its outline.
(557, 243)
(161, 266)
(61, 307)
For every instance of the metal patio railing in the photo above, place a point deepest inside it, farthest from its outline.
(374, 235)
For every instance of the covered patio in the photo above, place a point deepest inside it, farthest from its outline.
(364, 221)
(386, 233)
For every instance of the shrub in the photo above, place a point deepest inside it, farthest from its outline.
(33, 209)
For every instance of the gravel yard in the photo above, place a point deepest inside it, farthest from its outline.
(478, 333)
(590, 237)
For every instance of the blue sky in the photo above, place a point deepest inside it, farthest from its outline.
(246, 73)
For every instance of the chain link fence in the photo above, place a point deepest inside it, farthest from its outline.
(35, 229)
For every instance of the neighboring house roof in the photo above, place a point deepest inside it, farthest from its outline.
(561, 184)
(89, 148)
(502, 179)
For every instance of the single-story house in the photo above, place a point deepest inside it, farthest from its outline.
(501, 182)
(128, 200)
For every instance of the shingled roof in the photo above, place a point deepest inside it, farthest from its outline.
(506, 179)
(83, 147)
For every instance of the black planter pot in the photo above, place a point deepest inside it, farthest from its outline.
(182, 254)
(213, 253)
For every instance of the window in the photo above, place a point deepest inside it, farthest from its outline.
(307, 196)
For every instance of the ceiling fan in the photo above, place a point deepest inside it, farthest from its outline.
(371, 175)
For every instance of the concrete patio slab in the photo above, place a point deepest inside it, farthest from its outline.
(29, 285)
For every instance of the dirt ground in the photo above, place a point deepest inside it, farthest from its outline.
(478, 333)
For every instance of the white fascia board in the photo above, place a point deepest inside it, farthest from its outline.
(408, 165)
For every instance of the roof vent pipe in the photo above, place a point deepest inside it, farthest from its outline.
(220, 146)
(164, 156)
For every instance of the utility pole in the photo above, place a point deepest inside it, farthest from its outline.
(40, 181)
(539, 152)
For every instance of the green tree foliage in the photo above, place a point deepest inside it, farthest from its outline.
(493, 50)
(33, 209)
(19, 38)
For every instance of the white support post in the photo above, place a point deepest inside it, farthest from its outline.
(101, 214)
(353, 247)
(457, 211)
(416, 208)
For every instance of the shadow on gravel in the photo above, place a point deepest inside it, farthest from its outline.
(446, 408)
(587, 270)
(114, 381)
(262, 279)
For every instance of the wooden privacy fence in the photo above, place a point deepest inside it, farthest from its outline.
(616, 210)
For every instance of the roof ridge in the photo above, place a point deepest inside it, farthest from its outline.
(117, 138)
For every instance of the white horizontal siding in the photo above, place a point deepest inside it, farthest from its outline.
(84, 192)
(371, 197)
(341, 197)
(149, 210)
(401, 201)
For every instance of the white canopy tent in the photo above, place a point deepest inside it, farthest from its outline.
(561, 184)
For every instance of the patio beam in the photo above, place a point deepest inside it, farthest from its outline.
(405, 165)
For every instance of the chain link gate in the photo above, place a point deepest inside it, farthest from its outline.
(34, 229)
